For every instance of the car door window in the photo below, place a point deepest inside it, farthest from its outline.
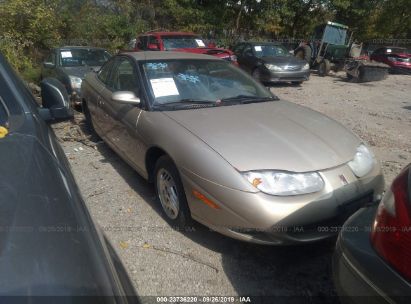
(143, 43)
(123, 76)
(51, 58)
(248, 51)
(238, 48)
(104, 74)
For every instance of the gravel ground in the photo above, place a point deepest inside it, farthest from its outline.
(162, 261)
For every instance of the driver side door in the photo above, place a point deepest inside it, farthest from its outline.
(120, 120)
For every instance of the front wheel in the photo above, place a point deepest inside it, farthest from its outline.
(170, 193)
(324, 68)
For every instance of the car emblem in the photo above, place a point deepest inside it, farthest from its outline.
(343, 179)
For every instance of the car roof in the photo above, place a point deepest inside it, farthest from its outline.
(79, 47)
(159, 55)
(171, 33)
(263, 42)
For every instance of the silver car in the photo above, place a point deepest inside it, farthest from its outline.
(223, 150)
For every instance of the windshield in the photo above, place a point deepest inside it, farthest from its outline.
(81, 57)
(214, 81)
(182, 42)
(335, 35)
(270, 51)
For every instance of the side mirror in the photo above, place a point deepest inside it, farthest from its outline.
(153, 47)
(125, 97)
(48, 65)
(55, 100)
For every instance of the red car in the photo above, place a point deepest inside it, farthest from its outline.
(398, 58)
(181, 42)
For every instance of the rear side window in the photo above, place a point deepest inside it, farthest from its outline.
(142, 44)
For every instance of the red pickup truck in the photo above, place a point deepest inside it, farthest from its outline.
(181, 42)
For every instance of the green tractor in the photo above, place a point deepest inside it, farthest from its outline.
(332, 48)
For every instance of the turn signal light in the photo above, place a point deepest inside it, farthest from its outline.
(205, 200)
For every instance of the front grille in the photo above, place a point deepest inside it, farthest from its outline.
(292, 68)
(333, 225)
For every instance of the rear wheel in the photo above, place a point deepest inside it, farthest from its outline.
(170, 193)
(89, 122)
(324, 68)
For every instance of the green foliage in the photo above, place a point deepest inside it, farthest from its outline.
(28, 27)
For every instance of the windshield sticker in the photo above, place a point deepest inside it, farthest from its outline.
(200, 43)
(189, 78)
(66, 54)
(258, 48)
(164, 87)
(157, 66)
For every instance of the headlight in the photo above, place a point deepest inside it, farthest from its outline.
(75, 82)
(306, 66)
(233, 58)
(363, 161)
(273, 67)
(285, 183)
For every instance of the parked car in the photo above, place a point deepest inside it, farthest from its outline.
(372, 258)
(223, 150)
(181, 42)
(69, 65)
(49, 245)
(399, 59)
(271, 62)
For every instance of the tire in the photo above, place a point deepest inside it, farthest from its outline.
(304, 53)
(324, 68)
(89, 122)
(170, 193)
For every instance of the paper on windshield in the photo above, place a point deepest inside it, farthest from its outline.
(66, 54)
(200, 43)
(164, 87)
(258, 48)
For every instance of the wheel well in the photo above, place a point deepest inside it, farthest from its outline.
(152, 155)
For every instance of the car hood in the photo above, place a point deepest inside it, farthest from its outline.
(80, 71)
(284, 60)
(273, 135)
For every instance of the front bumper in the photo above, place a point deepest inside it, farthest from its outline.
(267, 219)
(360, 275)
(285, 76)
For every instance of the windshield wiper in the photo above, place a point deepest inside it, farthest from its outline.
(243, 99)
(186, 103)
